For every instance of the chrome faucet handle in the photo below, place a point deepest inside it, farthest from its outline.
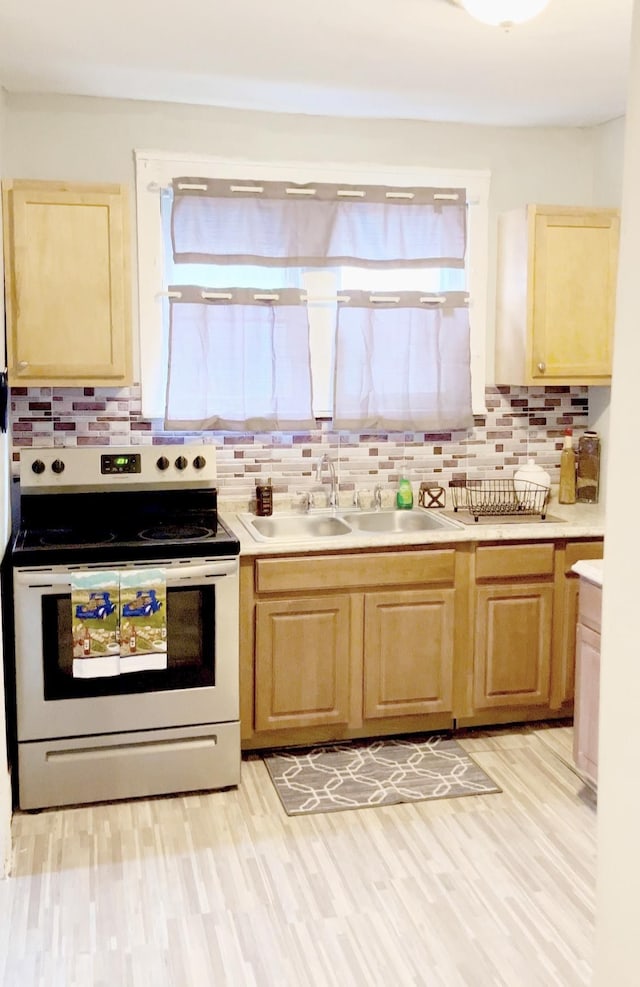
(377, 497)
(356, 498)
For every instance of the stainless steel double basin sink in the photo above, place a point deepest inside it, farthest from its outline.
(308, 527)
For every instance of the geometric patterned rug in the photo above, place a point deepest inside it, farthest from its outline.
(363, 773)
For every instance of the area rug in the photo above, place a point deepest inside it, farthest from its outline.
(361, 774)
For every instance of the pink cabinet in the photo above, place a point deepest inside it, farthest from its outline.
(587, 695)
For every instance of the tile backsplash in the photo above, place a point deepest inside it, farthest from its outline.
(520, 423)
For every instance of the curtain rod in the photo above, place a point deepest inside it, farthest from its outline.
(274, 297)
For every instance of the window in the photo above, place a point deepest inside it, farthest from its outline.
(324, 288)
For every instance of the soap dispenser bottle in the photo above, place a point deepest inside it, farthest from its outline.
(404, 495)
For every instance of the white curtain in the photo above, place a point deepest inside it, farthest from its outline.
(244, 363)
(238, 363)
(403, 363)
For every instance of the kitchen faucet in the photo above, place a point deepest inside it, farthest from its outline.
(377, 497)
(333, 492)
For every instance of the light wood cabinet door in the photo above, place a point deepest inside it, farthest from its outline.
(556, 294)
(302, 662)
(68, 290)
(512, 645)
(408, 652)
(585, 723)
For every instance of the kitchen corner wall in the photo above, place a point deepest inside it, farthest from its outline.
(520, 423)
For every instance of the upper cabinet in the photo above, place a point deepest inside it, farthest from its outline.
(556, 294)
(67, 284)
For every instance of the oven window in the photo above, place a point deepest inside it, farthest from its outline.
(191, 622)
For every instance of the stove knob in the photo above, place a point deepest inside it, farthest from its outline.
(163, 463)
(57, 466)
(37, 466)
(199, 462)
(181, 463)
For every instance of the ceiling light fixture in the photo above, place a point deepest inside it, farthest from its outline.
(503, 13)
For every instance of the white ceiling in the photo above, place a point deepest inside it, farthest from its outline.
(418, 59)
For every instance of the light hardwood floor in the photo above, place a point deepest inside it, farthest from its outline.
(225, 890)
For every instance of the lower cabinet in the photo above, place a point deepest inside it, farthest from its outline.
(302, 672)
(566, 609)
(349, 645)
(509, 664)
(512, 645)
(408, 652)
(585, 732)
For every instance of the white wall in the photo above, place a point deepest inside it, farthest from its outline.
(617, 945)
(607, 163)
(5, 514)
(89, 139)
(607, 190)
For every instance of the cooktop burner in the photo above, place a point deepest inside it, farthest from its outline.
(176, 532)
(71, 536)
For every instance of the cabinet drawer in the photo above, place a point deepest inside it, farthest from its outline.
(509, 561)
(350, 571)
(590, 605)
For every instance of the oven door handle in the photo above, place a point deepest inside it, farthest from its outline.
(174, 575)
(212, 570)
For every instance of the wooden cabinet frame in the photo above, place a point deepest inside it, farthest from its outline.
(68, 283)
(556, 295)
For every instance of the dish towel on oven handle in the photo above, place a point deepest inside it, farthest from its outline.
(143, 620)
(95, 615)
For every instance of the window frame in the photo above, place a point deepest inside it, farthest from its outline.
(154, 171)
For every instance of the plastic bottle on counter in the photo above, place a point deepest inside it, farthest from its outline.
(404, 495)
(264, 499)
(567, 489)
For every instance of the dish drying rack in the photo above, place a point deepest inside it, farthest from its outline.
(499, 497)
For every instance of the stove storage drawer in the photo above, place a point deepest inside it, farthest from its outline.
(103, 768)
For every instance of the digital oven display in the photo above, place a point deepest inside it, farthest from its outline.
(129, 463)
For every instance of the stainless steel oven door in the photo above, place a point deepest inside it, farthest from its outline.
(199, 685)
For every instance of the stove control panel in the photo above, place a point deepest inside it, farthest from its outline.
(125, 463)
(154, 467)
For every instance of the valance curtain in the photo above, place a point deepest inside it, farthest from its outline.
(403, 363)
(274, 224)
(243, 361)
(238, 362)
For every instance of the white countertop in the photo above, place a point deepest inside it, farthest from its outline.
(591, 569)
(575, 521)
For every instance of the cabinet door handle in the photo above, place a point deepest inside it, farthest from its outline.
(542, 366)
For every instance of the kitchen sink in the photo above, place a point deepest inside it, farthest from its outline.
(390, 522)
(296, 527)
(303, 527)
